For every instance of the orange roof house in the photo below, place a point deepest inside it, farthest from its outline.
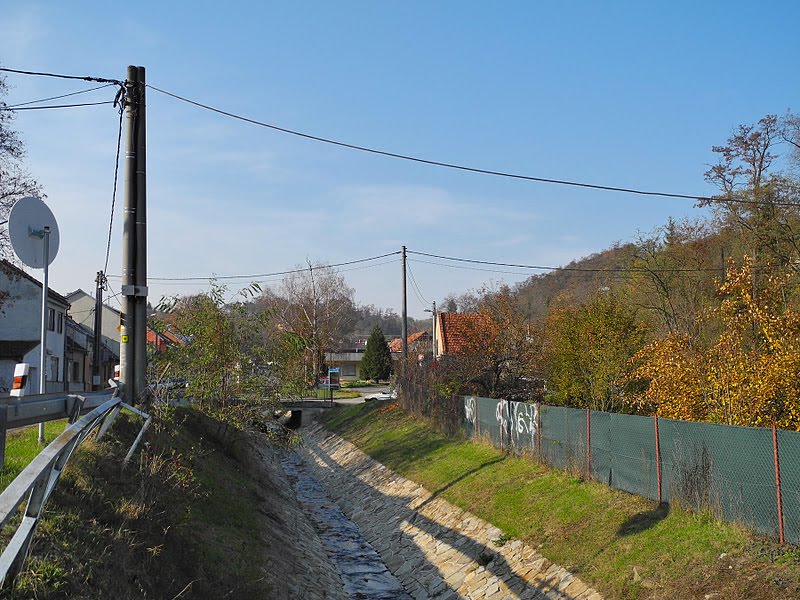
(419, 341)
(456, 332)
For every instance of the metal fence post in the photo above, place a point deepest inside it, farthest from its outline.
(658, 459)
(778, 482)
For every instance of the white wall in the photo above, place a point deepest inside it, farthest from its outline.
(20, 320)
(82, 311)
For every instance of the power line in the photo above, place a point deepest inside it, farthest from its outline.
(264, 275)
(114, 194)
(271, 279)
(577, 269)
(436, 163)
(500, 271)
(94, 89)
(51, 106)
(417, 291)
(62, 76)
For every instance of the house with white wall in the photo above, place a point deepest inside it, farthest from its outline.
(82, 311)
(20, 330)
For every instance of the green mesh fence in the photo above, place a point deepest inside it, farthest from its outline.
(727, 470)
(602, 455)
(633, 450)
(789, 458)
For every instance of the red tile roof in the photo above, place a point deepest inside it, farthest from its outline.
(396, 345)
(458, 330)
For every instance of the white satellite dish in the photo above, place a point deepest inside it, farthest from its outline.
(26, 228)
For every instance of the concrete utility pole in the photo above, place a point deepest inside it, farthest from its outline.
(133, 341)
(405, 313)
(98, 329)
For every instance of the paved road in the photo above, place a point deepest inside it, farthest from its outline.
(364, 391)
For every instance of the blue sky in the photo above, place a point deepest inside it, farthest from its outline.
(630, 94)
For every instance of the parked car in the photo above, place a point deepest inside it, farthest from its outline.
(392, 395)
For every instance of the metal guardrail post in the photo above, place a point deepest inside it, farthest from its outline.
(3, 427)
(77, 406)
(109, 420)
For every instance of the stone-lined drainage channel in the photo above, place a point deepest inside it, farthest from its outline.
(363, 573)
(434, 548)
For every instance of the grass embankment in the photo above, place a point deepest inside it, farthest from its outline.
(22, 446)
(623, 545)
(181, 520)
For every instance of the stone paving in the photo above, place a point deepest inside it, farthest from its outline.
(434, 548)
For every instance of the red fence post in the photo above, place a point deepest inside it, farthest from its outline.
(588, 444)
(658, 459)
(778, 482)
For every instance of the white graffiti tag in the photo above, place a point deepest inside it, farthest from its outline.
(517, 418)
(469, 409)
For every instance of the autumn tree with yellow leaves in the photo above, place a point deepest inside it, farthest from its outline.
(749, 374)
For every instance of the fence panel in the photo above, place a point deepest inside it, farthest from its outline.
(487, 424)
(564, 438)
(728, 470)
(520, 425)
(789, 451)
(633, 448)
(602, 457)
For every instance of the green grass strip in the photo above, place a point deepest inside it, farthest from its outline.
(624, 545)
(22, 446)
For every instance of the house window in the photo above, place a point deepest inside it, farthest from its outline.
(51, 319)
(348, 370)
(75, 372)
(60, 322)
(53, 369)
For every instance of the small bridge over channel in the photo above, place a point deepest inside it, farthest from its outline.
(304, 410)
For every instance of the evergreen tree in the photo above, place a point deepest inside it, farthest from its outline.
(377, 362)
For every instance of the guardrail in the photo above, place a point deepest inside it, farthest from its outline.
(37, 481)
(40, 408)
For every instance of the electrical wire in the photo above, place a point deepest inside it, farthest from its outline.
(114, 194)
(610, 188)
(415, 287)
(94, 89)
(115, 296)
(523, 274)
(265, 275)
(272, 279)
(577, 269)
(435, 163)
(5, 108)
(62, 76)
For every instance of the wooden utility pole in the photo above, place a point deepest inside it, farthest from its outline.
(133, 346)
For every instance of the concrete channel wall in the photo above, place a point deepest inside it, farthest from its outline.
(434, 548)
